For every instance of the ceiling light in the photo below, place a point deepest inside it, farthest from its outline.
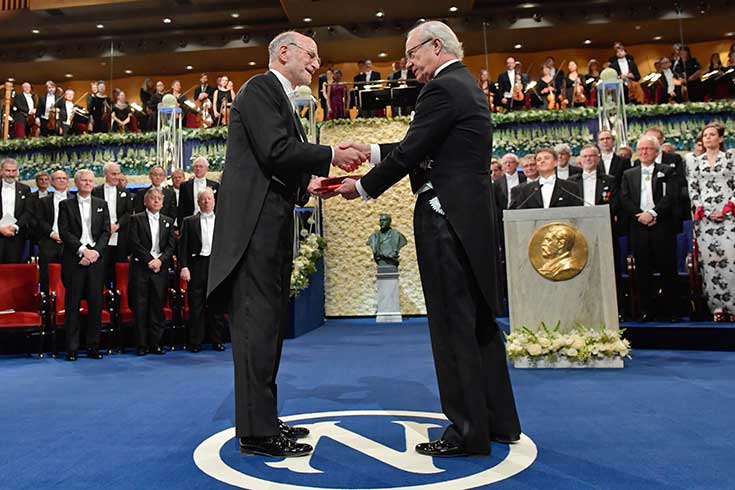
(100, 26)
(166, 20)
(528, 5)
(657, 38)
(637, 28)
(729, 34)
(307, 19)
(382, 54)
(234, 15)
(453, 9)
(588, 41)
(252, 63)
(36, 31)
(11, 79)
(379, 14)
(69, 75)
(518, 46)
(128, 72)
(189, 67)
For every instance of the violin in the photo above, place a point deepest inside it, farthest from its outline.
(224, 113)
(579, 96)
(34, 124)
(518, 94)
(52, 123)
(551, 99)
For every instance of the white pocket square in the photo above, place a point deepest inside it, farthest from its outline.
(99, 210)
(660, 175)
(122, 194)
(23, 197)
(166, 225)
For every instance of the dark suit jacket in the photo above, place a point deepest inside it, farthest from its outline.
(42, 103)
(452, 132)
(190, 243)
(573, 170)
(21, 109)
(187, 198)
(374, 75)
(263, 140)
(528, 195)
(618, 165)
(208, 89)
(24, 207)
(141, 240)
(664, 202)
(505, 85)
(409, 76)
(632, 67)
(676, 162)
(123, 209)
(169, 202)
(500, 191)
(606, 190)
(70, 230)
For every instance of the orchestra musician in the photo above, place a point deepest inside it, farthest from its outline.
(590, 82)
(48, 111)
(487, 88)
(507, 82)
(25, 104)
(687, 72)
(146, 92)
(222, 101)
(121, 114)
(625, 65)
(545, 91)
(152, 105)
(69, 113)
(574, 87)
(100, 110)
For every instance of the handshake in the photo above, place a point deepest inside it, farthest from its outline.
(348, 156)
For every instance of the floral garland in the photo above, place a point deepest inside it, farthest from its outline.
(582, 344)
(311, 249)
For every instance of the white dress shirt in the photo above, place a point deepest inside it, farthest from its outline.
(624, 68)
(111, 198)
(511, 181)
(562, 172)
(607, 161)
(512, 78)
(154, 221)
(42, 194)
(58, 197)
(199, 186)
(50, 103)
(589, 181)
(69, 112)
(29, 101)
(8, 198)
(547, 189)
(647, 203)
(368, 74)
(669, 75)
(375, 159)
(207, 223)
(85, 209)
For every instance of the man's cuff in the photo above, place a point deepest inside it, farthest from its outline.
(365, 196)
(16, 227)
(81, 250)
(652, 213)
(374, 154)
(331, 148)
(184, 269)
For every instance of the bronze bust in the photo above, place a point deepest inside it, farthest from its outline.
(386, 244)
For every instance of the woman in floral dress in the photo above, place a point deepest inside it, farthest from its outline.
(711, 180)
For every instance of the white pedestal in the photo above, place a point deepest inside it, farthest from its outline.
(389, 304)
(564, 363)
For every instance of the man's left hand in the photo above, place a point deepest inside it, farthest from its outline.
(348, 189)
(315, 184)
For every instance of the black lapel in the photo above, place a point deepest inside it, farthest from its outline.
(636, 185)
(93, 218)
(279, 88)
(18, 199)
(601, 181)
(537, 198)
(197, 228)
(555, 194)
(76, 213)
(163, 232)
(147, 228)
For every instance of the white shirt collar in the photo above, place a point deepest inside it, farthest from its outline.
(207, 215)
(59, 194)
(287, 87)
(152, 216)
(438, 70)
(10, 185)
(589, 175)
(547, 181)
(84, 199)
(203, 180)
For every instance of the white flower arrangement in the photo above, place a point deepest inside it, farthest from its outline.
(582, 344)
(311, 249)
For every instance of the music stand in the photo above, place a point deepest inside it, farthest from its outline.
(404, 97)
(373, 100)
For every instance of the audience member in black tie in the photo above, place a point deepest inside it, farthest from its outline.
(682, 211)
(178, 177)
(43, 181)
(158, 177)
(47, 225)
(120, 208)
(625, 152)
(496, 170)
(152, 244)
(649, 195)
(610, 162)
(563, 169)
(16, 213)
(510, 178)
(548, 191)
(195, 247)
(84, 225)
(191, 188)
(530, 170)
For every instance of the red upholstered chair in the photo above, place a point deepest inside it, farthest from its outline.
(22, 306)
(57, 294)
(125, 315)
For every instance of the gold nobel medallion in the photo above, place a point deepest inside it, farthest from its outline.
(558, 251)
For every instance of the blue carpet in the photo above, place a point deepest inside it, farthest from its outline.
(665, 421)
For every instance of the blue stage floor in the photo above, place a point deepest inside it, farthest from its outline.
(666, 421)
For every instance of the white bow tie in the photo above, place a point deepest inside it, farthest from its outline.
(154, 216)
(647, 171)
(549, 181)
(587, 176)
(85, 200)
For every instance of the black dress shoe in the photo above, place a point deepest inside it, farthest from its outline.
(503, 439)
(218, 347)
(441, 448)
(194, 349)
(94, 354)
(141, 351)
(292, 432)
(274, 446)
(71, 356)
(157, 350)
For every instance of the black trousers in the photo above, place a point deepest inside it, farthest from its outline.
(469, 353)
(200, 316)
(49, 252)
(83, 282)
(113, 254)
(148, 292)
(259, 309)
(11, 249)
(654, 249)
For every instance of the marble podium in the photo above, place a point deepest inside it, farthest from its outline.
(542, 288)
(389, 303)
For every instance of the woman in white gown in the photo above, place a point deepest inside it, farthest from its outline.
(711, 180)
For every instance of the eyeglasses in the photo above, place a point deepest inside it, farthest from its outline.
(312, 55)
(412, 52)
